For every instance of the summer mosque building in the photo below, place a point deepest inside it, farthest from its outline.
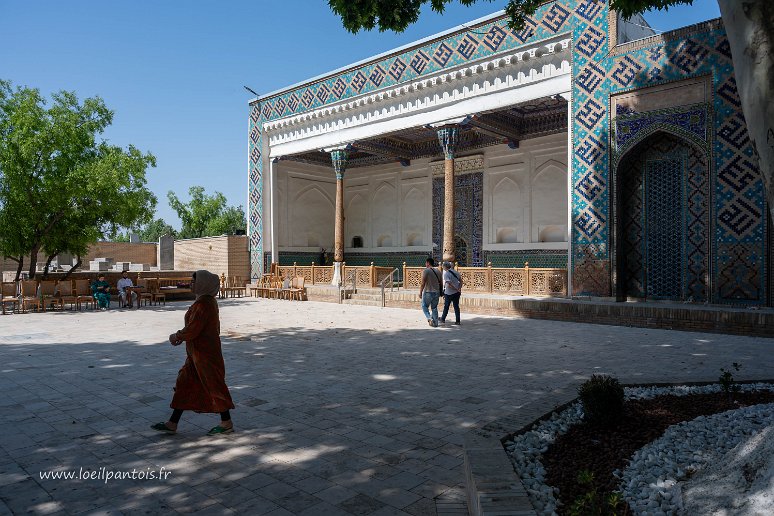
(582, 142)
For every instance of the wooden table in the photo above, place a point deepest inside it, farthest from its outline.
(133, 289)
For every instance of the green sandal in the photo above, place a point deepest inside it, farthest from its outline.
(161, 427)
(220, 430)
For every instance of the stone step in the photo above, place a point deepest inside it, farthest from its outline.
(369, 297)
(362, 302)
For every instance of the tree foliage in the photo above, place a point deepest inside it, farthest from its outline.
(206, 215)
(150, 232)
(397, 15)
(61, 188)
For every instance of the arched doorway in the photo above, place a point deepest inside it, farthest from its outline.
(662, 221)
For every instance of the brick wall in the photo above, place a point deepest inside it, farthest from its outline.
(119, 251)
(122, 252)
(220, 255)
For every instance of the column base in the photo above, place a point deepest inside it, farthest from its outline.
(336, 274)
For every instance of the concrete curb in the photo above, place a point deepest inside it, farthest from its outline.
(492, 486)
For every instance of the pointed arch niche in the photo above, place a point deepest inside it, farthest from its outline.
(549, 203)
(311, 218)
(384, 216)
(356, 217)
(414, 223)
(662, 218)
(508, 220)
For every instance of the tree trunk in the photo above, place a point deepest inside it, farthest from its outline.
(33, 261)
(20, 267)
(750, 29)
(72, 269)
(48, 264)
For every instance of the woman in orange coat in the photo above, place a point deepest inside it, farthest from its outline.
(201, 383)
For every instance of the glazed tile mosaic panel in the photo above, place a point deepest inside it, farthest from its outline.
(736, 197)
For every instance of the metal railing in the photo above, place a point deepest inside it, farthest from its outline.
(350, 275)
(392, 284)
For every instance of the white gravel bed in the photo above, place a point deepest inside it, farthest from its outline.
(649, 483)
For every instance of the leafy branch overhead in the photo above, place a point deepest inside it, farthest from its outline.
(397, 15)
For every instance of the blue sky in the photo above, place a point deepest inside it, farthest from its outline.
(173, 71)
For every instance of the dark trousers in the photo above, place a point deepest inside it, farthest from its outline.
(455, 300)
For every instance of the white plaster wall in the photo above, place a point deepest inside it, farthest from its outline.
(306, 206)
(525, 195)
(390, 206)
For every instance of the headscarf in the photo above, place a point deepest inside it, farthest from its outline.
(206, 284)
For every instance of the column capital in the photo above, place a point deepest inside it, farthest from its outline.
(448, 137)
(339, 160)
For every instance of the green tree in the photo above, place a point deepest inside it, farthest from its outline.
(150, 232)
(156, 229)
(206, 215)
(749, 25)
(229, 222)
(60, 187)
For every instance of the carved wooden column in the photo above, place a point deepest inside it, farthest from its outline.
(339, 160)
(447, 137)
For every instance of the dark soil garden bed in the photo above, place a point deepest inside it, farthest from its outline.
(603, 449)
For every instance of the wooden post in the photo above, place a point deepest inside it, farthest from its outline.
(312, 281)
(448, 137)
(404, 275)
(489, 276)
(339, 161)
(526, 278)
(372, 274)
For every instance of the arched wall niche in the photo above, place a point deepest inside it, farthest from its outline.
(356, 216)
(384, 215)
(311, 218)
(549, 202)
(507, 210)
(414, 225)
(662, 219)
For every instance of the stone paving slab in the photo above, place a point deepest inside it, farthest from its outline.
(340, 409)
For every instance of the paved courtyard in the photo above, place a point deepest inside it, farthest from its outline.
(340, 409)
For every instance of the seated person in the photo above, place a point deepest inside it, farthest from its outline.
(101, 291)
(124, 282)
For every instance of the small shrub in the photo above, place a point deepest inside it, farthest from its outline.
(594, 503)
(603, 398)
(726, 379)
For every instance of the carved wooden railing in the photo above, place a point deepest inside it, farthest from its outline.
(526, 281)
(364, 276)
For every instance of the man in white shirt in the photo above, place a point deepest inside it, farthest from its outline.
(124, 282)
(452, 287)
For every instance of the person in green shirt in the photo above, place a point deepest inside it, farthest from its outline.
(101, 291)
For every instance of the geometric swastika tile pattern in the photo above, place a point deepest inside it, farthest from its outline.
(740, 216)
(591, 41)
(626, 70)
(689, 55)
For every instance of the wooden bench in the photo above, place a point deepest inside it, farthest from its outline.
(171, 286)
